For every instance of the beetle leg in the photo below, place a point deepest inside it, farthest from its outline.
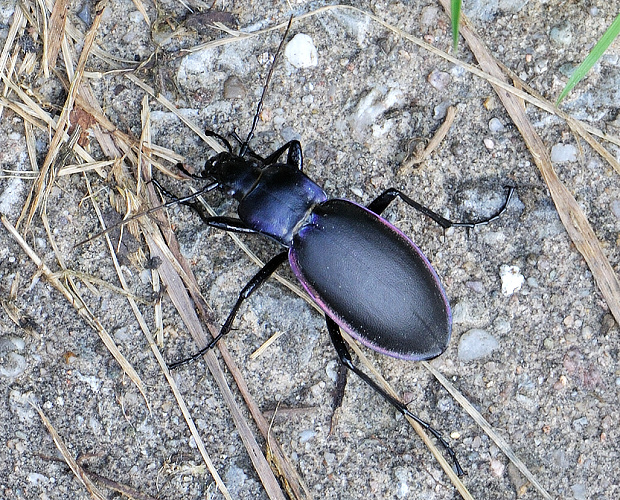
(254, 284)
(294, 157)
(384, 199)
(182, 168)
(185, 199)
(225, 223)
(210, 133)
(231, 224)
(346, 360)
(338, 394)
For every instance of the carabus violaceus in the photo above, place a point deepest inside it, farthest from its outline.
(367, 276)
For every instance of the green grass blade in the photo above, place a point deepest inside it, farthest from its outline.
(455, 8)
(594, 55)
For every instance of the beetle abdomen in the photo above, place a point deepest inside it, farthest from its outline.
(372, 280)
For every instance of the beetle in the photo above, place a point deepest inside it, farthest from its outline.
(366, 275)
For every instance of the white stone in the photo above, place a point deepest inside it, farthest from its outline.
(301, 52)
(512, 279)
(563, 152)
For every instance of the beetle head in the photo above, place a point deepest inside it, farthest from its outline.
(236, 175)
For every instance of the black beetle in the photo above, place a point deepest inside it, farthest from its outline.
(365, 274)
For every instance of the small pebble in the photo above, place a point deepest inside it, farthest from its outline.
(13, 366)
(512, 279)
(439, 112)
(234, 88)
(615, 208)
(439, 79)
(429, 16)
(38, 479)
(402, 476)
(301, 52)
(497, 468)
(541, 66)
(306, 436)
(495, 125)
(561, 34)
(580, 423)
(235, 478)
(476, 286)
(563, 152)
(85, 15)
(502, 326)
(475, 344)
(490, 103)
(461, 313)
(372, 105)
(489, 143)
(579, 491)
(560, 460)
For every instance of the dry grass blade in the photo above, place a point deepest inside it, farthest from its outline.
(124, 489)
(77, 470)
(18, 24)
(85, 167)
(89, 280)
(145, 165)
(53, 37)
(570, 212)
(31, 146)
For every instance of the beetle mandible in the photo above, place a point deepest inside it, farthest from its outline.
(366, 276)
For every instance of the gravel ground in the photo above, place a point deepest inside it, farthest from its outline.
(540, 362)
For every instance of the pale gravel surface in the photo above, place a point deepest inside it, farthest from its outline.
(550, 388)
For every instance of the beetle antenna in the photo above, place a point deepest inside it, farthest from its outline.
(245, 145)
